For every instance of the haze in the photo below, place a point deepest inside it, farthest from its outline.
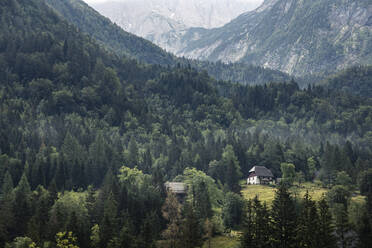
(256, 2)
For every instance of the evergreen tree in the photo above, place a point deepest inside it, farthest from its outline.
(365, 232)
(232, 173)
(22, 206)
(201, 201)
(108, 226)
(308, 223)
(247, 238)
(191, 229)
(7, 185)
(261, 224)
(284, 219)
(342, 225)
(232, 210)
(326, 236)
(7, 221)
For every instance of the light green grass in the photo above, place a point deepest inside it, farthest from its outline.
(264, 193)
(359, 199)
(223, 242)
(267, 193)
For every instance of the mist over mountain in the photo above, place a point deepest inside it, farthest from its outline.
(165, 22)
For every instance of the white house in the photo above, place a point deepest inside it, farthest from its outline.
(260, 175)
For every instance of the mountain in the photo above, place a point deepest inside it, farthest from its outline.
(88, 139)
(294, 36)
(164, 22)
(113, 38)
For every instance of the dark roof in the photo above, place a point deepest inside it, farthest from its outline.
(261, 171)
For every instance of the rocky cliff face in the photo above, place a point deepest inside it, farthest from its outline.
(165, 22)
(295, 36)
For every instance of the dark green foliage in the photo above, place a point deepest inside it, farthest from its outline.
(232, 210)
(365, 232)
(365, 182)
(308, 224)
(342, 225)
(284, 219)
(191, 229)
(22, 205)
(106, 33)
(261, 224)
(338, 195)
(326, 236)
(201, 201)
(247, 238)
(355, 80)
(71, 115)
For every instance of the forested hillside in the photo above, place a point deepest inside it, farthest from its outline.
(113, 38)
(106, 33)
(88, 139)
(355, 80)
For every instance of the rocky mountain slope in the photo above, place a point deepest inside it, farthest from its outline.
(164, 22)
(116, 40)
(295, 36)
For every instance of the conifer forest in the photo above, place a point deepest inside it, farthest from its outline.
(94, 122)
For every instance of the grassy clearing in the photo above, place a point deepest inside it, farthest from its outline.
(223, 242)
(267, 193)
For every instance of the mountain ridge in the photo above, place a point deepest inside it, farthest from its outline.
(114, 39)
(297, 37)
(163, 21)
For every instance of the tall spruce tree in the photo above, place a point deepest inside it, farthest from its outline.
(109, 222)
(342, 225)
(365, 232)
(308, 223)
(7, 220)
(284, 219)
(261, 224)
(247, 238)
(22, 206)
(191, 229)
(326, 236)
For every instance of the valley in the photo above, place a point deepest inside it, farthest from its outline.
(108, 141)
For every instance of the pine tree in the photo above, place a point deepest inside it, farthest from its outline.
(308, 223)
(7, 221)
(365, 232)
(342, 225)
(232, 173)
(201, 201)
(247, 238)
(7, 185)
(22, 207)
(283, 219)
(108, 226)
(191, 231)
(326, 237)
(261, 224)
